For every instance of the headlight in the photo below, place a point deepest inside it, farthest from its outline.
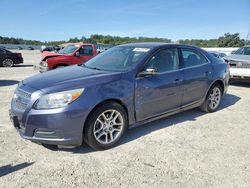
(44, 63)
(58, 100)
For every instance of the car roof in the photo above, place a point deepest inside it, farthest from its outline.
(153, 45)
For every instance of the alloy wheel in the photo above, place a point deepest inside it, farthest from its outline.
(108, 126)
(214, 98)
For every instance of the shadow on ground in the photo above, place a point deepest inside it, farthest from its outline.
(8, 82)
(242, 83)
(7, 169)
(137, 132)
(15, 66)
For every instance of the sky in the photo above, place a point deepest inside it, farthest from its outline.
(49, 20)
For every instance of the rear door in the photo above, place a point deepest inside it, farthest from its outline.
(159, 93)
(197, 71)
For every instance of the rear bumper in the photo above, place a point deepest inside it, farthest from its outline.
(18, 61)
(40, 68)
(239, 73)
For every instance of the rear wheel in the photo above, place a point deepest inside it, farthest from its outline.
(8, 63)
(213, 99)
(105, 126)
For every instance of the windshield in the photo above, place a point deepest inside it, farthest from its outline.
(239, 51)
(68, 49)
(118, 58)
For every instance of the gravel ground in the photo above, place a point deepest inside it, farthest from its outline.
(191, 149)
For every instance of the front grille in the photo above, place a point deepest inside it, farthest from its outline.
(21, 99)
(23, 94)
(238, 64)
(20, 105)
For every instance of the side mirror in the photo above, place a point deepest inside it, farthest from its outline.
(148, 72)
(77, 54)
(233, 52)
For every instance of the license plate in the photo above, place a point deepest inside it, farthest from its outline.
(14, 119)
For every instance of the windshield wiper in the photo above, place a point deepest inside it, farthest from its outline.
(95, 68)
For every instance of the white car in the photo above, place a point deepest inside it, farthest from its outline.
(239, 62)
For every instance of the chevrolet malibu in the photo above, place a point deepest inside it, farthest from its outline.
(126, 86)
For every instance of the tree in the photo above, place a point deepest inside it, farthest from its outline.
(230, 40)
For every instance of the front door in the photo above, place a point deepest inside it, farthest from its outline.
(162, 92)
(85, 54)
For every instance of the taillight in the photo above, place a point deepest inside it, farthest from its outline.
(19, 54)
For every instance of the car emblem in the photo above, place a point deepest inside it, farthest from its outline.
(239, 65)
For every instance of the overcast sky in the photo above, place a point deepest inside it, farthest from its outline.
(48, 20)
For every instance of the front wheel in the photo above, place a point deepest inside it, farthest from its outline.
(213, 99)
(105, 126)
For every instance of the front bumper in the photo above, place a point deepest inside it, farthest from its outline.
(239, 73)
(40, 68)
(56, 126)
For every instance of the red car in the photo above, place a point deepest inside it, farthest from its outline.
(70, 55)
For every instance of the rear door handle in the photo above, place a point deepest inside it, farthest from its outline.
(207, 73)
(177, 81)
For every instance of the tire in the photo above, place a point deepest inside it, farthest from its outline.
(213, 99)
(7, 62)
(60, 66)
(107, 121)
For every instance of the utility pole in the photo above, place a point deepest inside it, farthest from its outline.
(248, 36)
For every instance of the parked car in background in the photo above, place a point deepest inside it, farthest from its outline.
(50, 48)
(239, 63)
(69, 55)
(30, 48)
(218, 54)
(8, 58)
(19, 48)
(125, 86)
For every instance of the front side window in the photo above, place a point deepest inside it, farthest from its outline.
(192, 58)
(164, 60)
(86, 50)
(1, 51)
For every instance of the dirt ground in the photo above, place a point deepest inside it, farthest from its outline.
(191, 149)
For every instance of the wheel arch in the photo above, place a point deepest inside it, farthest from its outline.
(60, 64)
(218, 81)
(105, 101)
(221, 83)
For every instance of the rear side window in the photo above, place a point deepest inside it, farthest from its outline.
(192, 58)
(86, 50)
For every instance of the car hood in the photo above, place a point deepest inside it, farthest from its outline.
(235, 57)
(46, 55)
(72, 76)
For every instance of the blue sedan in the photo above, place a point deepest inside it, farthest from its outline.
(127, 85)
